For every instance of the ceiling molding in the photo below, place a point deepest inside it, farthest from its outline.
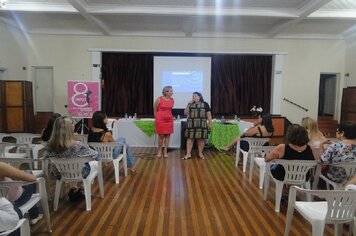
(313, 6)
(192, 11)
(77, 4)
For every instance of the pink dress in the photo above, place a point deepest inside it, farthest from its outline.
(164, 118)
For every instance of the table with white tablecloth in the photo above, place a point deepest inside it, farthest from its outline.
(137, 138)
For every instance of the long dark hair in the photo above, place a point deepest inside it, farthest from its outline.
(98, 120)
(267, 122)
(200, 95)
(48, 130)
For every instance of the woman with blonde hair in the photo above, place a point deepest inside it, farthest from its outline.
(162, 110)
(62, 144)
(315, 136)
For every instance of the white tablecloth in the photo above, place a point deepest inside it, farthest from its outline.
(136, 138)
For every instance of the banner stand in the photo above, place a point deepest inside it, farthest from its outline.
(81, 127)
(83, 101)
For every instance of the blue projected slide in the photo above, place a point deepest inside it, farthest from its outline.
(183, 81)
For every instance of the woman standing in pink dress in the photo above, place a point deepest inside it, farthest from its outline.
(162, 110)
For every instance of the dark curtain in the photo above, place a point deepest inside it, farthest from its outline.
(128, 83)
(240, 82)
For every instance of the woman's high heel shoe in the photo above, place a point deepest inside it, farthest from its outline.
(201, 156)
(186, 157)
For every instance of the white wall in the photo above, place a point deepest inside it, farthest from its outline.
(12, 57)
(305, 61)
(350, 66)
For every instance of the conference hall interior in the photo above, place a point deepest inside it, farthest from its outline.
(289, 61)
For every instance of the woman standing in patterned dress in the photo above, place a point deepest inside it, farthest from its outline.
(198, 122)
(162, 110)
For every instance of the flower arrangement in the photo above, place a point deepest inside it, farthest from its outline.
(256, 111)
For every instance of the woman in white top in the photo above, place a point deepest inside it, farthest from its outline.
(8, 216)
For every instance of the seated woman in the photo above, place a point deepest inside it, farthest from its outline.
(20, 195)
(297, 149)
(100, 133)
(46, 133)
(345, 150)
(263, 128)
(63, 145)
(315, 136)
(8, 216)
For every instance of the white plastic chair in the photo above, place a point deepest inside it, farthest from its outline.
(106, 151)
(41, 196)
(82, 137)
(295, 174)
(110, 124)
(24, 227)
(25, 156)
(350, 168)
(28, 138)
(260, 162)
(339, 208)
(71, 172)
(254, 143)
(25, 138)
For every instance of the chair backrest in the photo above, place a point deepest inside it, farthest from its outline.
(296, 170)
(82, 137)
(349, 167)
(5, 186)
(105, 149)
(70, 168)
(110, 124)
(25, 138)
(255, 142)
(24, 227)
(265, 150)
(4, 148)
(341, 204)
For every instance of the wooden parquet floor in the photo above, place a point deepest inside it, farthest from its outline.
(176, 197)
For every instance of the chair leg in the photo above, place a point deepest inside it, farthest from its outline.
(117, 169)
(289, 218)
(338, 228)
(262, 175)
(45, 208)
(57, 194)
(318, 228)
(266, 184)
(125, 164)
(237, 153)
(279, 189)
(244, 161)
(87, 192)
(25, 228)
(252, 163)
(308, 196)
(101, 184)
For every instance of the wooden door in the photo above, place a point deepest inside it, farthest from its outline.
(348, 105)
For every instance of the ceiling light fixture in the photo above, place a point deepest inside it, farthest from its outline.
(2, 3)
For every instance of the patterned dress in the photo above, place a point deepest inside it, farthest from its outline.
(338, 152)
(197, 126)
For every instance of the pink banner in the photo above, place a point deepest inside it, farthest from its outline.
(83, 98)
